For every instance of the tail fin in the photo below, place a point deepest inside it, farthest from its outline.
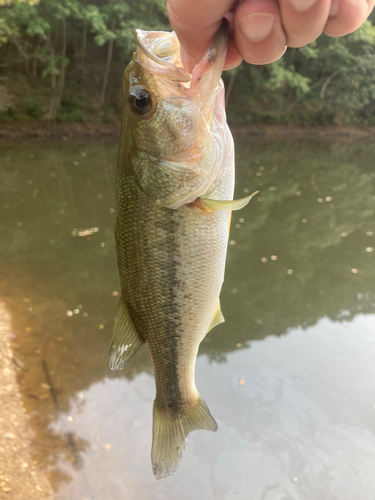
(170, 431)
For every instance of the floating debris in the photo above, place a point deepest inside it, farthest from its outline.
(102, 244)
(242, 382)
(344, 235)
(264, 259)
(101, 326)
(290, 271)
(328, 198)
(241, 220)
(232, 242)
(320, 200)
(354, 270)
(274, 257)
(69, 418)
(115, 293)
(238, 345)
(69, 313)
(370, 233)
(84, 232)
(369, 249)
(112, 210)
(237, 226)
(304, 221)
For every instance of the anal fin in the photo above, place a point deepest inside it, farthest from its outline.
(125, 339)
(217, 317)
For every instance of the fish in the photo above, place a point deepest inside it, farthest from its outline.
(174, 198)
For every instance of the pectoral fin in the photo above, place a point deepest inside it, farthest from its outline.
(214, 205)
(217, 317)
(125, 339)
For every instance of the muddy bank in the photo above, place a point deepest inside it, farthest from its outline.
(318, 132)
(16, 130)
(20, 477)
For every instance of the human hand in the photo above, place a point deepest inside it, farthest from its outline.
(261, 29)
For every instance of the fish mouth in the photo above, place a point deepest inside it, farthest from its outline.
(159, 53)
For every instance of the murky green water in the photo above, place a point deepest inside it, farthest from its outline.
(290, 376)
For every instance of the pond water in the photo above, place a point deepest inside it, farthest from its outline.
(290, 376)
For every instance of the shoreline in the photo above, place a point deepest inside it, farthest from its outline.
(20, 476)
(44, 130)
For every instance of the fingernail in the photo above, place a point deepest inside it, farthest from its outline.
(334, 8)
(302, 5)
(257, 27)
(187, 60)
(233, 65)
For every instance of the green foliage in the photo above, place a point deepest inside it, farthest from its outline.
(85, 44)
(329, 81)
(32, 108)
(58, 44)
(10, 2)
(10, 113)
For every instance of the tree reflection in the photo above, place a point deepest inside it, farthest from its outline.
(316, 215)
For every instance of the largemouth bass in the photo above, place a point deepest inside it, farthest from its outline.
(175, 179)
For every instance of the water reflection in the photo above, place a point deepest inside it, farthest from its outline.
(299, 253)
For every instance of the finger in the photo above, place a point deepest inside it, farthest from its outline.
(258, 33)
(233, 58)
(346, 16)
(303, 20)
(196, 22)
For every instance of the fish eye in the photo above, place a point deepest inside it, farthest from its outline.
(141, 102)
